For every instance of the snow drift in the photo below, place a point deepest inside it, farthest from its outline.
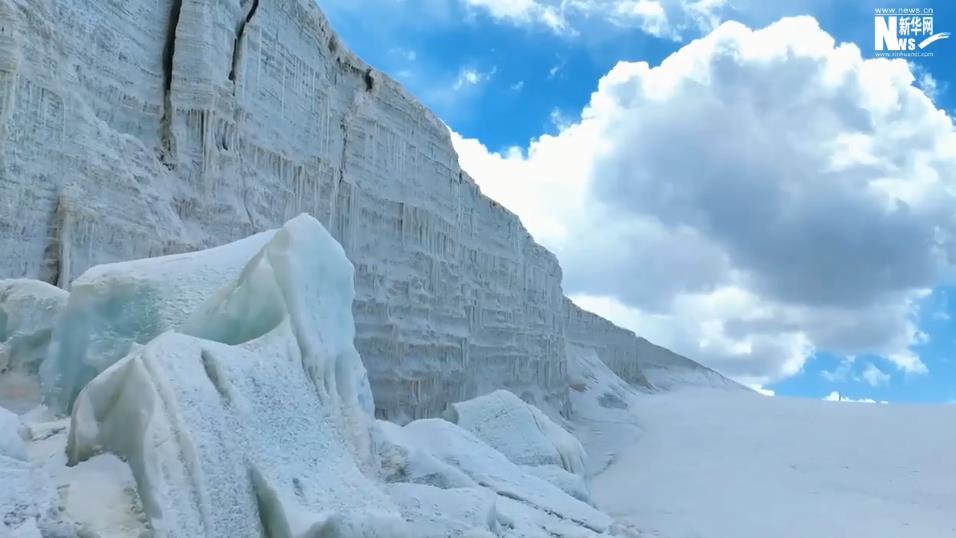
(437, 453)
(518, 430)
(526, 436)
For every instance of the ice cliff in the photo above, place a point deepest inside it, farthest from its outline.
(139, 128)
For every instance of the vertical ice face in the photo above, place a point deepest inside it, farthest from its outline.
(138, 128)
(616, 347)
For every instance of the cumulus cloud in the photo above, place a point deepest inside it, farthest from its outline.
(756, 197)
(837, 397)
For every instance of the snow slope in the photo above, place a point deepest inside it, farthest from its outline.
(518, 430)
(716, 463)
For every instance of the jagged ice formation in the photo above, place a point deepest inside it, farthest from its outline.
(240, 407)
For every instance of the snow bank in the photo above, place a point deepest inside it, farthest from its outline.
(28, 500)
(97, 498)
(446, 513)
(439, 453)
(574, 485)
(520, 431)
(114, 307)
(28, 311)
(11, 436)
(265, 428)
(527, 437)
(604, 406)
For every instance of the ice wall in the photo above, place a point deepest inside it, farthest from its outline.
(617, 347)
(135, 128)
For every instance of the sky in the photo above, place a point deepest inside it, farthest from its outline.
(751, 184)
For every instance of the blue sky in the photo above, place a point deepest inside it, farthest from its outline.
(793, 319)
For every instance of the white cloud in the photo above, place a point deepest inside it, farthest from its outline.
(524, 12)
(758, 196)
(927, 82)
(555, 69)
(666, 19)
(469, 76)
(706, 14)
(837, 397)
(558, 119)
(874, 376)
(649, 15)
(518, 86)
(841, 373)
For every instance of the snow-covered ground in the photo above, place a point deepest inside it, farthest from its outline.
(713, 463)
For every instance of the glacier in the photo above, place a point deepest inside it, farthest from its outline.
(143, 128)
(243, 274)
(247, 290)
